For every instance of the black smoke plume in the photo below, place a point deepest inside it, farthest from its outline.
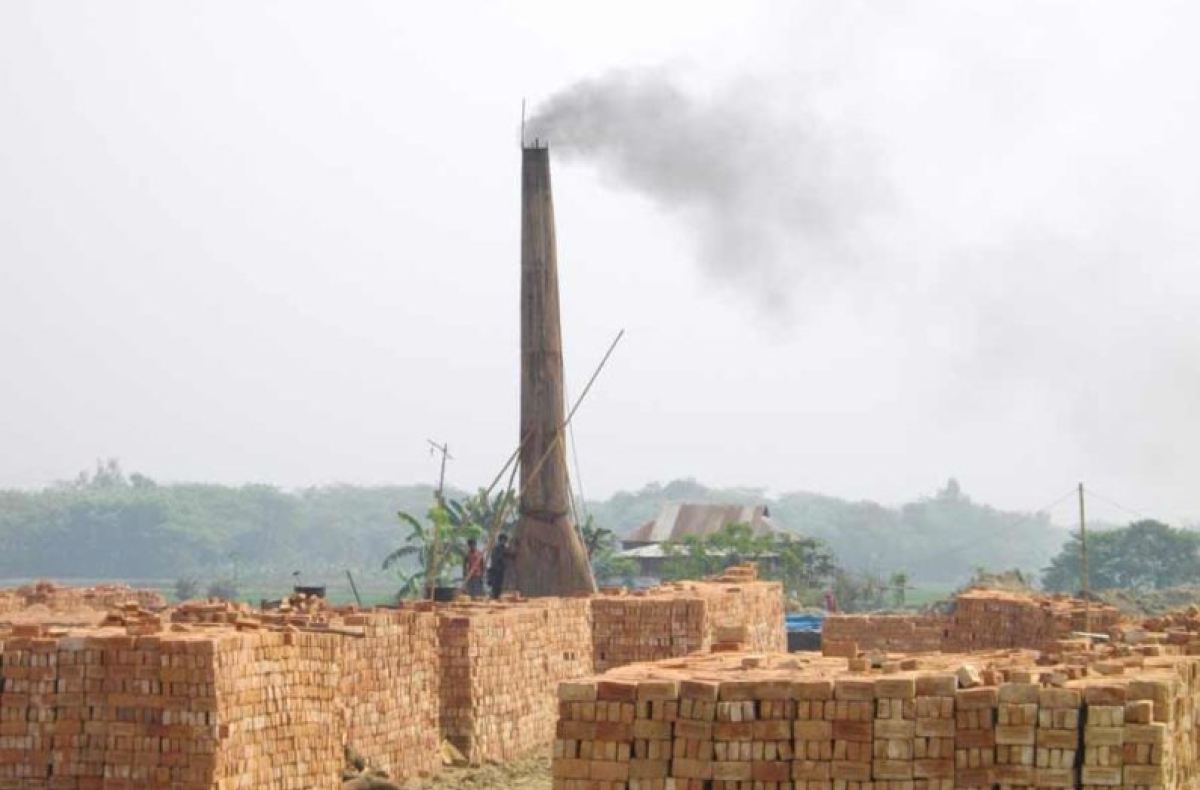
(767, 196)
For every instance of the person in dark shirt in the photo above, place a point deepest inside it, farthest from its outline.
(501, 554)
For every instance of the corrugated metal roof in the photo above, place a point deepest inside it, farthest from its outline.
(678, 520)
(654, 551)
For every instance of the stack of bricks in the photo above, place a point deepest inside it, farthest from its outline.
(109, 711)
(982, 620)
(275, 694)
(1160, 740)
(388, 691)
(990, 619)
(894, 732)
(118, 712)
(682, 618)
(852, 719)
(296, 610)
(499, 666)
(813, 730)
(727, 718)
(756, 605)
(752, 734)
(628, 629)
(1057, 739)
(1016, 735)
(975, 738)
(897, 633)
(933, 744)
(214, 707)
(1104, 737)
(59, 598)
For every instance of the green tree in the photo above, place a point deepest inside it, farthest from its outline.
(860, 591)
(603, 551)
(802, 564)
(186, 588)
(451, 523)
(1144, 555)
(698, 556)
(900, 588)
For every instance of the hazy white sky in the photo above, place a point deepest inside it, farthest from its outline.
(277, 242)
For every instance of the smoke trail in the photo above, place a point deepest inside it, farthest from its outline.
(766, 198)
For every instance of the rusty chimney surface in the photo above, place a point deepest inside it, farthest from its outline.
(551, 558)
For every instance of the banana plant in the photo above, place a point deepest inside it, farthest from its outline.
(452, 523)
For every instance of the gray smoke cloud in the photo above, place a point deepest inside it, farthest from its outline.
(767, 195)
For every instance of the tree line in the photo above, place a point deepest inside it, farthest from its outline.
(106, 524)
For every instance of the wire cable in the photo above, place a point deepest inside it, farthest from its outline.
(996, 537)
(578, 472)
(1117, 505)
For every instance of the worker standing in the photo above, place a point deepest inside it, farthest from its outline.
(501, 554)
(473, 562)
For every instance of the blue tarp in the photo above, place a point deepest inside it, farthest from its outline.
(799, 623)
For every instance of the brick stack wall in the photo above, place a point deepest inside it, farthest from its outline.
(216, 695)
(388, 697)
(682, 618)
(499, 665)
(218, 707)
(787, 725)
(897, 633)
(989, 619)
(982, 620)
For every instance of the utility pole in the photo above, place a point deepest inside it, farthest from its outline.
(1083, 565)
(444, 449)
(431, 573)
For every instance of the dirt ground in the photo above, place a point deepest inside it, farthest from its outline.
(530, 773)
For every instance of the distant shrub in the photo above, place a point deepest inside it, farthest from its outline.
(186, 589)
(224, 589)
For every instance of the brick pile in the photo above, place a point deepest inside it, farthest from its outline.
(61, 598)
(212, 694)
(982, 620)
(388, 698)
(274, 694)
(989, 619)
(897, 633)
(117, 712)
(217, 706)
(297, 610)
(778, 722)
(499, 666)
(684, 617)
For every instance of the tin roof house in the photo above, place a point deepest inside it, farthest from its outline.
(679, 520)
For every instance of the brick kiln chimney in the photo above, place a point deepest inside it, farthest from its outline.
(551, 558)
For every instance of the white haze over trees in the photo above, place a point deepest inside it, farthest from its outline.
(858, 247)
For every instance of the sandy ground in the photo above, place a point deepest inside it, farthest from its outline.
(531, 773)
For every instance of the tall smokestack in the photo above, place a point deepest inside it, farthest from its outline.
(551, 558)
